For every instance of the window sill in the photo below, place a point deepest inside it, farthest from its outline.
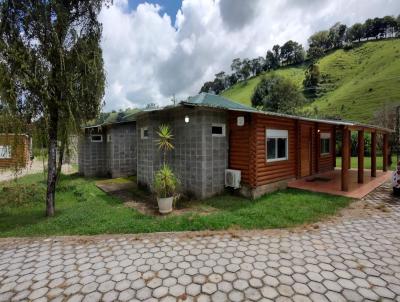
(270, 161)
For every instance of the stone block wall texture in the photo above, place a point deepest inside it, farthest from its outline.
(198, 159)
(122, 149)
(115, 158)
(92, 156)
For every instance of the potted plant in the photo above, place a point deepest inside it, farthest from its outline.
(165, 181)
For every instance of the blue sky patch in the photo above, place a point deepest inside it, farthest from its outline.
(170, 7)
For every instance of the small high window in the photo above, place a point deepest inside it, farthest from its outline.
(325, 143)
(144, 133)
(108, 138)
(218, 130)
(5, 152)
(96, 138)
(277, 145)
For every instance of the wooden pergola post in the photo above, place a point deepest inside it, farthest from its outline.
(360, 156)
(373, 154)
(345, 158)
(334, 146)
(385, 151)
(350, 144)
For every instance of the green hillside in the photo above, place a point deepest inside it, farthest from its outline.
(357, 82)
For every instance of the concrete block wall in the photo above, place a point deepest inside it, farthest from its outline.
(122, 149)
(115, 158)
(92, 156)
(198, 159)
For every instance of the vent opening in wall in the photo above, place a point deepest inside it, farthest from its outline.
(144, 133)
(218, 130)
(96, 138)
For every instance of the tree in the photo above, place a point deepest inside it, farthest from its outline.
(236, 66)
(319, 43)
(277, 94)
(390, 26)
(292, 53)
(246, 69)
(355, 32)
(311, 80)
(51, 62)
(336, 34)
(257, 65)
(271, 61)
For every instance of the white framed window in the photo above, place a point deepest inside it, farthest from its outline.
(96, 138)
(144, 133)
(218, 130)
(325, 143)
(5, 152)
(276, 145)
(108, 138)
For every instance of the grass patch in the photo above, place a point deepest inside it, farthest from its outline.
(367, 162)
(83, 209)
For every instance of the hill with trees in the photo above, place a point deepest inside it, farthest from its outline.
(346, 72)
(355, 84)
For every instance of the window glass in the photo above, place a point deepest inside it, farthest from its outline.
(271, 148)
(5, 151)
(325, 145)
(282, 147)
(277, 144)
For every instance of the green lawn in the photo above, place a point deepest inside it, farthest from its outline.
(83, 209)
(367, 162)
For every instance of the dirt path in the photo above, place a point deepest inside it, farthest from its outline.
(36, 166)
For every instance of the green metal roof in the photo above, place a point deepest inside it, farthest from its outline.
(215, 101)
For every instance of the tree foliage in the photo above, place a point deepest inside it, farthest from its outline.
(277, 94)
(51, 67)
(312, 79)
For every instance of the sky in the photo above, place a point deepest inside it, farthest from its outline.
(156, 49)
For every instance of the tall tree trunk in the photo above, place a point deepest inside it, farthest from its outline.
(52, 163)
(60, 158)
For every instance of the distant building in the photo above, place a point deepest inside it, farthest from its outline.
(15, 150)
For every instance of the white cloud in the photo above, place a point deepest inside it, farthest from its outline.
(148, 59)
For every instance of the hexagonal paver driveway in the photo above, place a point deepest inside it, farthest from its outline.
(356, 259)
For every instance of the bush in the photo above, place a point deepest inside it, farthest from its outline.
(165, 182)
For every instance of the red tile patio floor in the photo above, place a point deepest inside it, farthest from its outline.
(329, 182)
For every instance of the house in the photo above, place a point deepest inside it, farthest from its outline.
(109, 149)
(268, 150)
(15, 150)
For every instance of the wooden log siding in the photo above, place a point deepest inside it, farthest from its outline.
(239, 145)
(247, 148)
(269, 172)
(19, 150)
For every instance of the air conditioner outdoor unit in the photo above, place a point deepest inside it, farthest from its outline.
(232, 178)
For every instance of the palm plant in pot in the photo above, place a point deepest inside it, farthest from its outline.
(165, 181)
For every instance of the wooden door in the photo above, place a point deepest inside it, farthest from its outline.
(305, 151)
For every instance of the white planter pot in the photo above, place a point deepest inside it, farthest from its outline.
(165, 205)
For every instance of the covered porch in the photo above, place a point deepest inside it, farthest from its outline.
(330, 183)
(343, 180)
